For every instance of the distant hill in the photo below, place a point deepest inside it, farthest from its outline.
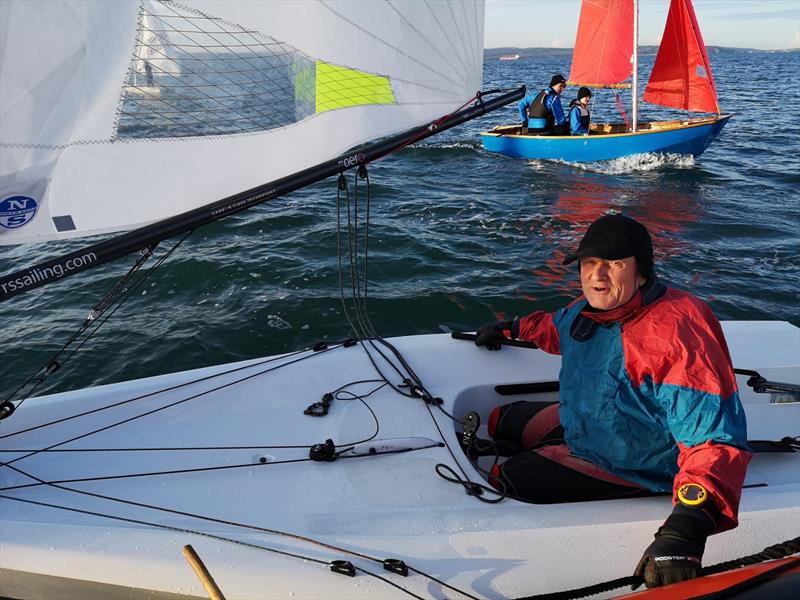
(495, 53)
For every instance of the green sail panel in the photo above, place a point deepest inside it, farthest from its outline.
(339, 87)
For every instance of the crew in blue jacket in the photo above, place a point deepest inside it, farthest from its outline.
(579, 115)
(543, 114)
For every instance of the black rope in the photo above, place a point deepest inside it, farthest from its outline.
(166, 406)
(261, 462)
(243, 525)
(782, 550)
(366, 331)
(97, 310)
(771, 553)
(118, 294)
(471, 488)
(159, 391)
(206, 535)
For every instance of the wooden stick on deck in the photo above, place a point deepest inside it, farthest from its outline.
(202, 573)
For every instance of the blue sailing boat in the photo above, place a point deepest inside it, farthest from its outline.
(606, 56)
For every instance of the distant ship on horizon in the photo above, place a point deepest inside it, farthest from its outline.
(509, 57)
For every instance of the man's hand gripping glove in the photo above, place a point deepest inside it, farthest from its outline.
(491, 334)
(677, 551)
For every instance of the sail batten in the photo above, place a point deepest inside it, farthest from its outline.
(681, 76)
(603, 44)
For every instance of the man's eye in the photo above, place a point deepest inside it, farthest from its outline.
(617, 264)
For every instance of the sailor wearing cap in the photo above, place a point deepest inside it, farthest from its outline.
(543, 114)
(648, 401)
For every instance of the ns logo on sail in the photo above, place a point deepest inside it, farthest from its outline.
(16, 211)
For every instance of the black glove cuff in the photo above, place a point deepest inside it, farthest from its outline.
(693, 524)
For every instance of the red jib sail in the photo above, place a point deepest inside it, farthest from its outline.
(681, 76)
(604, 43)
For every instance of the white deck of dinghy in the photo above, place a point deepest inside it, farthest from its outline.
(389, 505)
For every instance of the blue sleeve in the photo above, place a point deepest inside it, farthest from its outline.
(523, 108)
(558, 112)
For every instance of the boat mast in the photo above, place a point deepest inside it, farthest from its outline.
(635, 59)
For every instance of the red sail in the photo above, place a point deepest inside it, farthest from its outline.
(681, 76)
(604, 43)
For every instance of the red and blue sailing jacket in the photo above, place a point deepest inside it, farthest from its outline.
(648, 392)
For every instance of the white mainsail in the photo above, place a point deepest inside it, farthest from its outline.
(248, 92)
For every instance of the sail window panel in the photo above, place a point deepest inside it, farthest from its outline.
(195, 75)
(221, 73)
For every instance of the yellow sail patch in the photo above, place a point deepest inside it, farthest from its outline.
(338, 87)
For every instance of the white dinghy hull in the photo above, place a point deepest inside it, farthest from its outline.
(244, 426)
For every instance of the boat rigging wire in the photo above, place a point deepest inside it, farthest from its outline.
(118, 294)
(339, 454)
(169, 405)
(207, 535)
(158, 391)
(258, 528)
(366, 332)
(368, 336)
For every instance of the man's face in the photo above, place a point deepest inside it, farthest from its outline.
(608, 284)
(559, 87)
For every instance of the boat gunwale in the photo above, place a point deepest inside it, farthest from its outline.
(679, 125)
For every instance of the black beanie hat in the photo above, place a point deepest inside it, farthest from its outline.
(557, 78)
(584, 91)
(613, 237)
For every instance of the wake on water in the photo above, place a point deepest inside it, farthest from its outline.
(638, 163)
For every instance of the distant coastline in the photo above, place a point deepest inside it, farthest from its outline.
(495, 53)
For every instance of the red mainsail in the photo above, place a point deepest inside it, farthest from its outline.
(604, 43)
(681, 76)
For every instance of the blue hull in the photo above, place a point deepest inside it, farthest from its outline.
(680, 137)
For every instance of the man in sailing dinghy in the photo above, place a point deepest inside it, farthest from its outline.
(648, 401)
(579, 115)
(543, 114)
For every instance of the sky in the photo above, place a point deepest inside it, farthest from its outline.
(763, 24)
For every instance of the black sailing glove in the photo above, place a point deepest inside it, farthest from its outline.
(491, 334)
(677, 551)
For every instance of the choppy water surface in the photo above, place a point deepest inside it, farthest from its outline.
(457, 237)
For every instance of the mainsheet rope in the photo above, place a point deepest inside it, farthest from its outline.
(366, 333)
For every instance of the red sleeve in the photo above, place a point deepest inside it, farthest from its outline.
(539, 328)
(720, 469)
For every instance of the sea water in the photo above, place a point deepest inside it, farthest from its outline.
(457, 237)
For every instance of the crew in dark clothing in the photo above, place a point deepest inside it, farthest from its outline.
(579, 115)
(542, 114)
